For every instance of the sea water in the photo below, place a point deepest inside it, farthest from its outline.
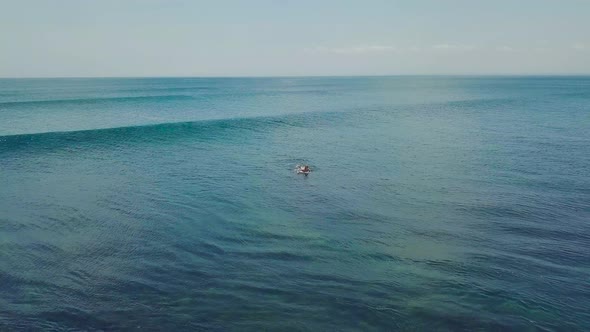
(435, 203)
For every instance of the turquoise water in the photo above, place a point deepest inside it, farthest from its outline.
(436, 203)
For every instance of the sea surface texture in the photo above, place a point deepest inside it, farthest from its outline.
(435, 204)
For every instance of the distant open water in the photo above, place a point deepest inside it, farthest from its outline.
(436, 203)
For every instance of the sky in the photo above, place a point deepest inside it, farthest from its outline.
(105, 38)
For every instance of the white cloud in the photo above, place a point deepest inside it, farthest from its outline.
(364, 49)
(374, 49)
(505, 49)
(453, 47)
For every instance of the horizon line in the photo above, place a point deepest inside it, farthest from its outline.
(311, 76)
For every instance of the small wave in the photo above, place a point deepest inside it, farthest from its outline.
(202, 129)
(86, 101)
(170, 89)
(275, 255)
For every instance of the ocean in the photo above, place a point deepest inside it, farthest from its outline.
(434, 204)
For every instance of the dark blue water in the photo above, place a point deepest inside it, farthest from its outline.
(436, 203)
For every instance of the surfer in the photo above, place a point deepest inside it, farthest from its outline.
(303, 169)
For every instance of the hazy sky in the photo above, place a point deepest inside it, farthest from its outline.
(300, 37)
